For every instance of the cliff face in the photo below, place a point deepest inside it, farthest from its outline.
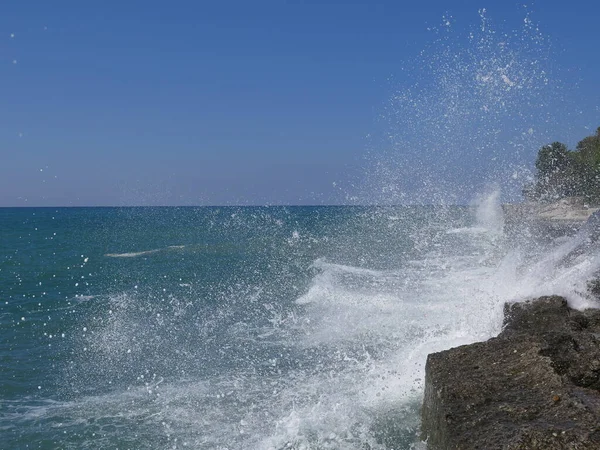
(535, 386)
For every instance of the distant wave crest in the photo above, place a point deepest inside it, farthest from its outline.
(142, 253)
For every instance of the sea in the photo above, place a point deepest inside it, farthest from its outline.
(276, 327)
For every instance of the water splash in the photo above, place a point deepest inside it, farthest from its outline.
(488, 212)
(473, 109)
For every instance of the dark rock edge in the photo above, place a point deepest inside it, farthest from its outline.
(534, 386)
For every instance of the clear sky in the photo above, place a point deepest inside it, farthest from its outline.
(232, 102)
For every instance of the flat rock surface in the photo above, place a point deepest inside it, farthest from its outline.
(535, 386)
(572, 209)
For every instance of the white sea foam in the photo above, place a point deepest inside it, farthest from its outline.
(142, 253)
(467, 230)
(131, 254)
(443, 302)
(341, 368)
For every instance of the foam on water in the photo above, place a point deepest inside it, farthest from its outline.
(399, 318)
(142, 253)
(339, 367)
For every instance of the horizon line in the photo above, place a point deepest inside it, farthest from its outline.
(234, 206)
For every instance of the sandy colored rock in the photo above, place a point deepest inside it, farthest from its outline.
(569, 209)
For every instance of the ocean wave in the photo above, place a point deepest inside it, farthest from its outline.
(342, 268)
(469, 230)
(142, 253)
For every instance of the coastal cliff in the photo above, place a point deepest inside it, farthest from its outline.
(535, 386)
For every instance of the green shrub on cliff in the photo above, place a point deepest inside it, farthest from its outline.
(563, 173)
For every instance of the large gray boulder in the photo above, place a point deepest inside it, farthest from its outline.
(535, 386)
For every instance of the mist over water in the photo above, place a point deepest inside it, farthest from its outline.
(290, 328)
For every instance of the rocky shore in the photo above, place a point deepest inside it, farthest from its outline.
(554, 219)
(535, 386)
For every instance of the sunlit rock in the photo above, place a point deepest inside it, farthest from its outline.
(535, 386)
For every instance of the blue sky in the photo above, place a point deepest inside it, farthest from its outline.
(265, 102)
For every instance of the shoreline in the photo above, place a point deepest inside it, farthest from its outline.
(567, 210)
(561, 218)
(535, 386)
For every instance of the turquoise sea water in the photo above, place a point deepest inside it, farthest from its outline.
(239, 328)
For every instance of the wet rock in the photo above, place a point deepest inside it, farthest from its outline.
(593, 286)
(535, 386)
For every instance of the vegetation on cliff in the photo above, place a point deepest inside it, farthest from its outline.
(561, 172)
